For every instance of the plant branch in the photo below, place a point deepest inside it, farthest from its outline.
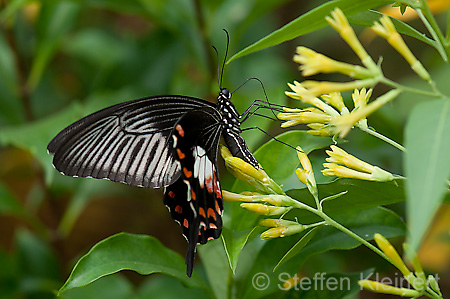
(382, 137)
(435, 93)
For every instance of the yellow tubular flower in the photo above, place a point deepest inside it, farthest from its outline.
(306, 175)
(361, 97)
(322, 130)
(313, 63)
(332, 169)
(276, 222)
(301, 93)
(262, 209)
(334, 99)
(345, 122)
(292, 282)
(304, 117)
(392, 254)
(273, 233)
(339, 156)
(316, 88)
(282, 231)
(243, 171)
(234, 197)
(378, 287)
(386, 29)
(339, 22)
(358, 168)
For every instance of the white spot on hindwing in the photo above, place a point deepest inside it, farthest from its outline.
(175, 139)
(203, 167)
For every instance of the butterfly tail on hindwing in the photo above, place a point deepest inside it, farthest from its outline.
(195, 199)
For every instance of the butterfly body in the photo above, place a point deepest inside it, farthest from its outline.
(162, 141)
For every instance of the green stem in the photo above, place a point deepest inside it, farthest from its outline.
(384, 138)
(331, 222)
(435, 33)
(318, 205)
(345, 230)
(431, 24)
(394, 84)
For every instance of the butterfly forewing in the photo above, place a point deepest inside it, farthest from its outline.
(128, 142)
(195, 199)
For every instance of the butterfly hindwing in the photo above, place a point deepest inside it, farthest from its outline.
(128, 142)
(195, 199)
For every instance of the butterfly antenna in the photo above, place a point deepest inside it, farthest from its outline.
(225, 58)
(272, 137)
(219, 80)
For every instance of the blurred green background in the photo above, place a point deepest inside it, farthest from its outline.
(61, 60)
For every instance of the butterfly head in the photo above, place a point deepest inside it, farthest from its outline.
(225, 93)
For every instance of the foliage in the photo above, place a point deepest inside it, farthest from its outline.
(60, 60)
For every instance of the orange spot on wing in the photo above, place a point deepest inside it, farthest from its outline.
(180, 130)
(211, 214)
(171, 194)
(210, 238)
(181, 155)
(193, 195)
(201, 211)
(186, 223)
(213, 226)
(179, 209)
(187, 172)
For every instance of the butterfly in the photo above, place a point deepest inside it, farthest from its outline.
(162, 141)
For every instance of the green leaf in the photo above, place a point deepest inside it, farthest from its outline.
(367, 18)
(297, 247)
(140, 253)
(308, 22)
(233, 242)
(365, 223)
(426, 164)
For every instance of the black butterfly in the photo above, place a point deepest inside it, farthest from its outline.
(161, 141)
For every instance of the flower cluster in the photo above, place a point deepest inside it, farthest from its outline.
(353, 167)
(330, 116)
(420, 283)
(271, 201)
